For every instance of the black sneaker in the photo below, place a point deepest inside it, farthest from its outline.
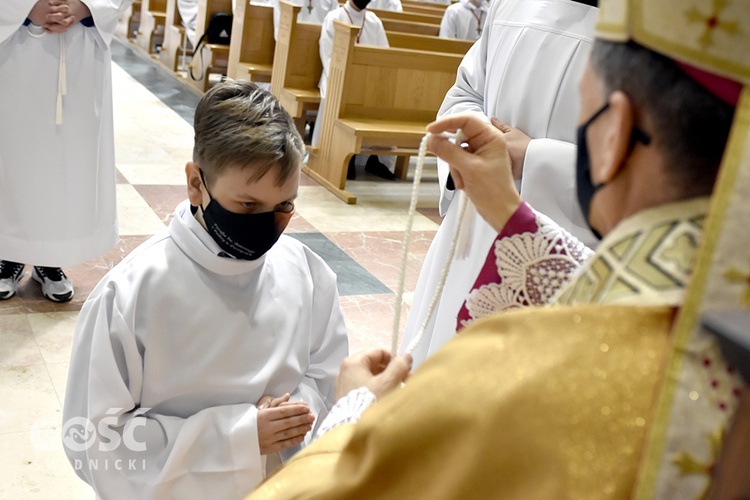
(55, 285)
(374, 167)
(10, 274)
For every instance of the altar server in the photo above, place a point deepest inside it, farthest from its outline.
(213, 346)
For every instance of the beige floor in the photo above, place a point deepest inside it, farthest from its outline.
(153, 144)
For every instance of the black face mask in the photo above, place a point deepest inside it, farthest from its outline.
(361, 4)
(585, 188)
(245, 236)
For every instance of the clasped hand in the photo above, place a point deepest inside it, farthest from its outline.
(57, 16)
(282, 423)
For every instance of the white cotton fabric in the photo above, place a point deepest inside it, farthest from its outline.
(394, 5)
(524, 70)
(312, 11)
(180, 344)
(464, 20)
(57, 160)
(188, 10)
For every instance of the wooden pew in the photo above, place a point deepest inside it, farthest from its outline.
(418, 3)
(252, 47)
(297, 67)
(428, 29)
(215, 57)
(151, 29)
(174, 37)
(407, 16)
(401, 40)
(418, 9)
(376, 96)
(134, 19)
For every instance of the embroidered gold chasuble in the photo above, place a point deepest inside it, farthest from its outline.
(556, 403)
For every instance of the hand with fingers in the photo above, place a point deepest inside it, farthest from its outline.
(517, 143)
(374, 369)
(57, 16)
(283, 425)
(483, 169)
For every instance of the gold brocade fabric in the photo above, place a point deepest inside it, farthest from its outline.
(646, 260)
(555, 405)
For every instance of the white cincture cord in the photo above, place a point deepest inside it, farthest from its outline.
(61, 84)
(458, 137)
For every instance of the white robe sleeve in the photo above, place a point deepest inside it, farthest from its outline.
(328, 346)
(549, 185)
(106, 13)
(12, 15)
(136, 452)
(325, 49)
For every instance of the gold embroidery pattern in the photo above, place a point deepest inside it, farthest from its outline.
(734, 275)
(652, 262)
(712, 22)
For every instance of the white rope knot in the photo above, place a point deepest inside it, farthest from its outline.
(458, 137)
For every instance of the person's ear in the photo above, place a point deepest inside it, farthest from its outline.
(193, 174)
(618, 129)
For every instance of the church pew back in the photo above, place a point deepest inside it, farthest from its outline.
(174, 37)
(414, 41)
(418, 9)
(297, 67)
(411, 27)
(418, 3)
(407, 16)
(251, 52)
(151, 29)
(376, 97)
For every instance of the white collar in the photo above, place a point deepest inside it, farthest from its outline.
(194, 240)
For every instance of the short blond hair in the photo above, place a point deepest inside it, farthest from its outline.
(238, 124)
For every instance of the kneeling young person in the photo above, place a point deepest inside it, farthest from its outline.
(209, 353)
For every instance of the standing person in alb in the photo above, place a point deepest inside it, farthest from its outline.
(371, 32)
(464, 20)
(57, 160)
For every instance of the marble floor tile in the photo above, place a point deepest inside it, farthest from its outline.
(134, 214)
(369, 320)
(27, 397)
(54, 334)
(163, 199)
(34, 466)
(329, 214)
(18, 347)
(169, 174)
(58, 373)
(381, 253)
(84, 277)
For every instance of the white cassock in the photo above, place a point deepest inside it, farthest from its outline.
(312, 11)
(524, 69)
(57, 158)
(394, 5)
(464, 20)
(175, 346)
(188, 10)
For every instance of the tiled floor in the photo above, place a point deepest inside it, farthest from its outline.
(362, 243)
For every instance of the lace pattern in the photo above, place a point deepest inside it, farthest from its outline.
(531, 268)
(347, 409)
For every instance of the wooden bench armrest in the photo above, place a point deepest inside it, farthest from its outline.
(303, 95)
